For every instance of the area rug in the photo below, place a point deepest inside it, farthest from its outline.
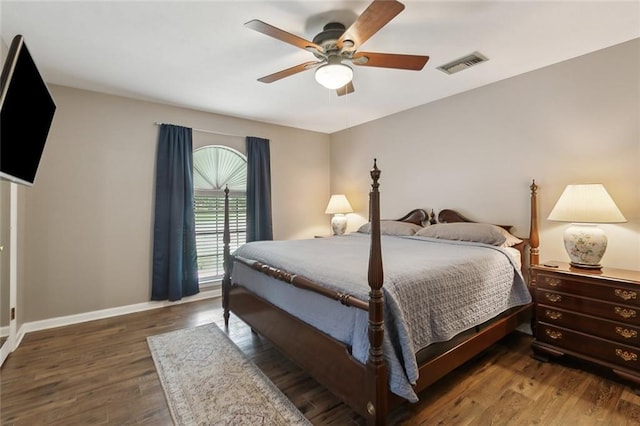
(207, 380)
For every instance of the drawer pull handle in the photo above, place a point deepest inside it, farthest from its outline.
(625, 313)
(627, 356)
(553, 282)
(553, 314)
(627, 334)
(553, 297)
(555, 335)
(625, 295)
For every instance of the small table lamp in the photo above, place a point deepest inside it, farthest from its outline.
(338, 206)
(584, 206)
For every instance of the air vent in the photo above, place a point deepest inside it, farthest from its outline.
(463, 63)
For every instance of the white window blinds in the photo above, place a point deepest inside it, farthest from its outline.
(215, 167)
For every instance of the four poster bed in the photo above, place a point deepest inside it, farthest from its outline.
(444, 301)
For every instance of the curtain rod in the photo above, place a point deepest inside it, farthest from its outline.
(207, 131)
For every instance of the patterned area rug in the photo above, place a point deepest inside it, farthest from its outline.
(208, 381)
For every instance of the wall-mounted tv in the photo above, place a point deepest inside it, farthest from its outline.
(26, 113)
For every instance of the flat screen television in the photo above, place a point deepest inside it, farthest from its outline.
(26, 113)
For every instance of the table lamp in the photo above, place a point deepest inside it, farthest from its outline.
(338, 206)
(585, 206)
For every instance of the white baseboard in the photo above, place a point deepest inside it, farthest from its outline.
(29, 327)
(5, 350)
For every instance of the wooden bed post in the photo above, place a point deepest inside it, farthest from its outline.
(534, 239)
(377, 403)
(226, 259)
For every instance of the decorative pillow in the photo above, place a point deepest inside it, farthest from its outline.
(392, 227)
(464, 231)
(510, 239)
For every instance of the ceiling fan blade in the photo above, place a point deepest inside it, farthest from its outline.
(390, 60)
(289, 72)
(347, 88)
(277, 33)
(376, 16)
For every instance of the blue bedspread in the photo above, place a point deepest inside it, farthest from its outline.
(433, 290)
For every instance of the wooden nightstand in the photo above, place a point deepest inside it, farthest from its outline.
(591, 315)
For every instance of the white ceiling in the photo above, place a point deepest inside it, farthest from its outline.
(199, 55)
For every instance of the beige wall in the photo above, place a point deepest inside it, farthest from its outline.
(89, 214)
(573, 122)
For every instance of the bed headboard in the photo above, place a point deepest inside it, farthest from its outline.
(416, 216)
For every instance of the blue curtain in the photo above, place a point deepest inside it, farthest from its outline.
(175, 271)
(258, 190)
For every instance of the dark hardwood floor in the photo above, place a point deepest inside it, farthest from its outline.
(101, 372)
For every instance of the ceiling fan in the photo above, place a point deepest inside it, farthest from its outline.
(336, 45)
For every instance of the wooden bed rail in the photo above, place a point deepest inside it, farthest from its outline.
(304, 283)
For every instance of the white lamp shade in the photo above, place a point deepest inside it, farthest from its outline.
(338, 204)
(589, 203)
(334, 76)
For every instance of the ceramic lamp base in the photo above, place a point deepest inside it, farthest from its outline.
(338, 224)
(585, 245)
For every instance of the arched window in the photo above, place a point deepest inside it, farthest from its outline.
(214, 167)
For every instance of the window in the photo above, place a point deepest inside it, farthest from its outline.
(214, 167)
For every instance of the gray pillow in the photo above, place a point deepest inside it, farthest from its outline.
(392, 227)
(464, 231)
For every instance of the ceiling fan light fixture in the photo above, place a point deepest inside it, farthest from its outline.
(334, 75)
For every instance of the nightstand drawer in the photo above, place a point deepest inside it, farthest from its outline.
(615, 293)
(623, 333)
(613, 311)
(613, 352)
